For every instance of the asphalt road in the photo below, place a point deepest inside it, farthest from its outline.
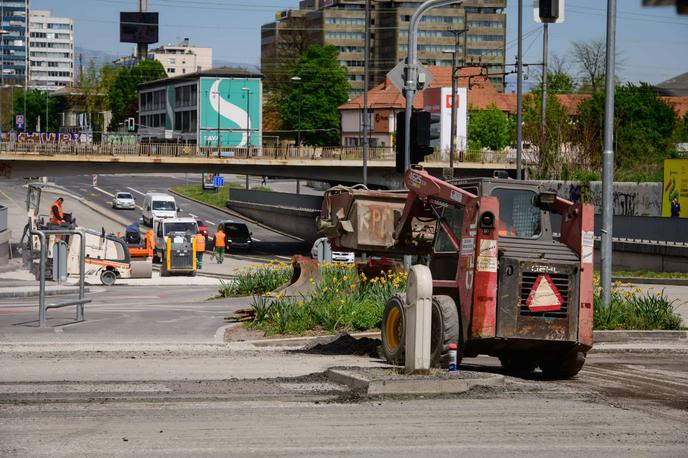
(45, 413)
(266, 242)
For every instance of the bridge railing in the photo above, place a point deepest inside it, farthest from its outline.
(286, 153)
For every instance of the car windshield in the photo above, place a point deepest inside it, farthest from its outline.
(164, 205)
(236, 230)
(181, 227)
(518, 215)
(124, 195)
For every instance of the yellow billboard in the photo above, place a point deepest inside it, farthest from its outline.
(675, 185)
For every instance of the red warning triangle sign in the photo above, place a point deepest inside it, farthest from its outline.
(544, 297)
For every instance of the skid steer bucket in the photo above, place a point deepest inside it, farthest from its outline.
(300, 283)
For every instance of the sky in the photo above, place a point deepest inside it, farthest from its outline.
(652, 41)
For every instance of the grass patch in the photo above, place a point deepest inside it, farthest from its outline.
(256, 280)
(631, 309)
(341, 301)
(262, 188)
(650, 274)
(216, 199)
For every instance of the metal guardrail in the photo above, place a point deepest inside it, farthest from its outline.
(285, 153)
(3, 218)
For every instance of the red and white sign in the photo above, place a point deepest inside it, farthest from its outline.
(439, 100)
(544, 297)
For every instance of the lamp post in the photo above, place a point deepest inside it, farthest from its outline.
(452, 145)
(248, 120)
(3, 32)
(297, 80)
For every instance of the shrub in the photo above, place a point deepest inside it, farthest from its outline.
(256, 280)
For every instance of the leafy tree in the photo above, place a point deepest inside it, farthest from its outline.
(323, 87)
(559, 78)
(644, 125)
(95, 86)
(489, 128)
(36, 107)
(123, 92)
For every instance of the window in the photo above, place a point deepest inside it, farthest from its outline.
(518, 215)
(453, 216)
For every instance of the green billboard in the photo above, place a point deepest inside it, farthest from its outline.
(230, 107)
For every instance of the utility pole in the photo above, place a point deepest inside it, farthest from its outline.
(454, 111)
(608, 159)
(543, 114)
(366, 75)
(519, 93)
(142, 48)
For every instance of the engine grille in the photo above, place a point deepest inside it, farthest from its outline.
(561, 281)
(179, 261)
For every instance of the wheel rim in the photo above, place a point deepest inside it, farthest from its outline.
(393, 329)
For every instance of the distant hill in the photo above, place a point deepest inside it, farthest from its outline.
(99, 57)
(225, 63)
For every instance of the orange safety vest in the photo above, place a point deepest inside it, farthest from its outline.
(150, 239)
(53, 219)
(200, 243)
(220, 239)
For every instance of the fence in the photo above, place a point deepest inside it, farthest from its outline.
(283, 153)
(3, 218)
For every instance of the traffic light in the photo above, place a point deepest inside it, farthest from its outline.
(549, 10)
(421, 136)
(131, 125)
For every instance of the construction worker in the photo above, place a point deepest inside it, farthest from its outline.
(220, 246)
(200, 249)
(150, 241)
(56, 213)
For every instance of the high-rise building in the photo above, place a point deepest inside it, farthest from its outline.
(182, 58)
(51, 51)
(341, 23)
(13, 41)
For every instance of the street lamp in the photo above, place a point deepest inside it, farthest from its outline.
(3, 32)
(297, 80)
(248, 120)
(452, 145)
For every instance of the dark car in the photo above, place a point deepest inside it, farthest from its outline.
(237, 234)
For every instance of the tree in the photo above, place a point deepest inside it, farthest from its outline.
(123, 92)
(95, 86)
(591, 59)
(559, 78)
(323, 87)
(488, 128)
(36, 108)
(644, 125)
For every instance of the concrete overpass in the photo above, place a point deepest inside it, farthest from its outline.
(54, 160)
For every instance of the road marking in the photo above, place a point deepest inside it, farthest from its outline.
(135, 190)
(211, 223)
(6, 196)
(103, 191)
(255, 239)
(192, 215)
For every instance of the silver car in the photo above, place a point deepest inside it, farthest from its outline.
(123, 200)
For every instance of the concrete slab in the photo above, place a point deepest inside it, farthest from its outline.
(32, 291)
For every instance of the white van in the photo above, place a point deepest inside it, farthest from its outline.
(158, 206)
(164, 226)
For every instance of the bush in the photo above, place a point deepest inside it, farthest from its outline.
(341, 301)
(634, 310)
(256, 280)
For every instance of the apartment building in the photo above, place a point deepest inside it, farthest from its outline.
(13, 42)
(341, 23)
(182, 58)
(51, 51)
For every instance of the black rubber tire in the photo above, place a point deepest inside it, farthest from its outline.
(108, 277)
(393, 346)
(444, 330)
(564, 367)
(518, 364)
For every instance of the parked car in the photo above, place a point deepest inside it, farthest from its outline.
(337, 256)
(237, 235)
(123, 200)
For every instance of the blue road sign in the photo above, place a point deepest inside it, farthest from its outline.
(219, 182)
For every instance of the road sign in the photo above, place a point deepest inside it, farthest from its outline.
(19, 121)
(544, 297)
(536, 12)
(95, 180)
(219, 181)
(398, 79)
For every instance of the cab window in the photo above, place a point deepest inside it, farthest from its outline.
(453, 216)
(519, 215)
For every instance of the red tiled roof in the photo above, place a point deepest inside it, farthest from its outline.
(679, 104)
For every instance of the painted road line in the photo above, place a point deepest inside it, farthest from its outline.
(210, 222)
(255, 239)
(103, 191)
(6, 196)
(193, 216)
(135, 190)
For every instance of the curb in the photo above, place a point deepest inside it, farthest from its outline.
(653, 281)
(638, 336)
(411, 386)
(301, 340)
(36, 292)
(236, 215)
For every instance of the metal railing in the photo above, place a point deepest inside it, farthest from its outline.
(380, 153)
(81, 300)
(3, 218)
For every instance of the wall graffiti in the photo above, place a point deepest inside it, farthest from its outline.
(49, 137)
(630, 199)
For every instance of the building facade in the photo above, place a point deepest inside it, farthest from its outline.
(51, 51)
(216, 108)
(341, 23)
(182, 58)
(13, 44)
